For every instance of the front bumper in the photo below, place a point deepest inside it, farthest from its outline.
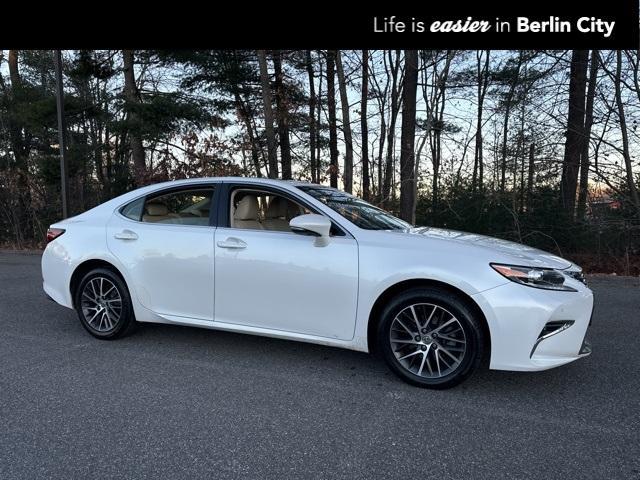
(517, 316)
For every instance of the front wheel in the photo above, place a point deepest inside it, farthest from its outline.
(103, 304)
(430, 338)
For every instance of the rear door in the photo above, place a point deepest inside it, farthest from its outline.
(166, 242)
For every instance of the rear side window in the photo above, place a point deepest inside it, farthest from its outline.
(179, 207)
(133, 210)
(182, 207)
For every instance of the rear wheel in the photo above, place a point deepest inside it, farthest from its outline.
(430, 337)
(103, 304)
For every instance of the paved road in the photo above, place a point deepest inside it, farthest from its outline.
(174, 402)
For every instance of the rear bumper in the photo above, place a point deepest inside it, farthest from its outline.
(517, 316)
(56, 272)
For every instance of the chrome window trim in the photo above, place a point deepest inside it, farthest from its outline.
(568, 324)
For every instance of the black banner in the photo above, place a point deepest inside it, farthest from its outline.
(532, 25)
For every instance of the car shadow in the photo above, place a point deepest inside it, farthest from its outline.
(341, 365)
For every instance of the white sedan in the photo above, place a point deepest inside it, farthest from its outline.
(306, 262)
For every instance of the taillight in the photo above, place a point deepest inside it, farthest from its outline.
(54, 233)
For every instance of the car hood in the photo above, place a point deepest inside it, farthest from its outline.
(515, 253)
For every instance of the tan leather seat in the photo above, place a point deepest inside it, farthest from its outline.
(246, 214)
(278, 214)
(158, 212)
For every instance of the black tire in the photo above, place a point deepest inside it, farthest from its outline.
(112, 328)
(451, 304)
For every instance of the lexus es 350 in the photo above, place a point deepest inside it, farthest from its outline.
(306, 262)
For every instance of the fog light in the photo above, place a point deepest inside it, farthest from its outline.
(551, 328)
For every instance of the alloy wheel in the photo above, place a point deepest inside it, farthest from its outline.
(101, 304)
(427, 340)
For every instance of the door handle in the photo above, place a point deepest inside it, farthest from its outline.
(233, 243)
(126, 235)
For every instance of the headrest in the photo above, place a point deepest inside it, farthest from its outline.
(277, 208)
(247, 208)
(281, 207)
(156, 209)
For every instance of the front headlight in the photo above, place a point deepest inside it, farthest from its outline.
(535, 277)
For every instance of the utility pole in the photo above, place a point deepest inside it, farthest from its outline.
(64, 177)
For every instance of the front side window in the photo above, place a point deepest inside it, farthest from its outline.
(181, 207)
(262, 210)
(358, 212)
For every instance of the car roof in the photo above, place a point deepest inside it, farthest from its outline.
(265, 181)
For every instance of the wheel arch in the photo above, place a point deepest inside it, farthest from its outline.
(85, 267)
(395, 289)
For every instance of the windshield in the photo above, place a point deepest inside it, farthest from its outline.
(358, 212)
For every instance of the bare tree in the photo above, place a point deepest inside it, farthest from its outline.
(483, 84)
(588, 123)
(393, 68)
(408, 135)
(245, 117)
(347, 174)
(381, 94)
(312, 118)
(531, 177)
(508, 103)
(19, 140)
(434, 95)
(283, 116)
(364, 125)
(319, 122)
(333, 133)
(132, 95)
(272, 157)
(631, 185)
(575, 129)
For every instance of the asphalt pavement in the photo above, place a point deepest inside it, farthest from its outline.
(177, 402)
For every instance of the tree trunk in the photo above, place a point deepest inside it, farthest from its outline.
(435, 152)
(483, 83)
(575, 130)
(20, 151)
(14, 71)
(381, 142)
(272, 157)
(532, 150)
(364, 126)
(588, 123)
(283, 116)
(505, 125)
(436, 108)
(16, 127)
(633, 192)
(132, 96)
(253, 142)
(416, 171)
(347, 175)
(312, 118)
(333, 134)
(319, 122)
(408, 135)
(391, 132)
(505, 133)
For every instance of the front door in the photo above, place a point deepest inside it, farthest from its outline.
(269, 277)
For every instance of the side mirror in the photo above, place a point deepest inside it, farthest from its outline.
(312, 224)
